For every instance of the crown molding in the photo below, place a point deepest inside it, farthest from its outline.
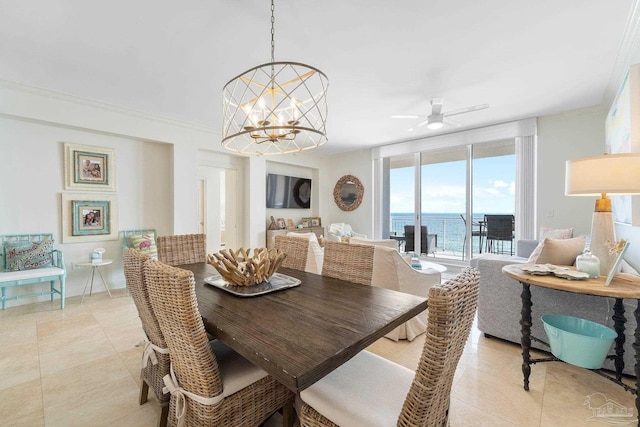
(51, 115)
(628, 53)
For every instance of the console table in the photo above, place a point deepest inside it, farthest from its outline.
(271, 234)
(621, 287)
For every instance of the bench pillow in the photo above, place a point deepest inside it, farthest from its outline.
(145, 243)
(27, 255)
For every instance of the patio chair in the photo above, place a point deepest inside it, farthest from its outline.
(347, 261)
(479, 232)
(369, 390)
(182, 249)
(210, 384)
(499, 230)
(155, 357)
(426, 239)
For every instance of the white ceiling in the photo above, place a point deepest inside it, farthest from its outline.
(382, 58)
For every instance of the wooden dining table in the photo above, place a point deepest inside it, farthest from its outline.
(299, 335)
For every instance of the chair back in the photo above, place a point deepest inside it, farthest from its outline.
(297, 250)
(173, 298)
(452, 307)
(499, 227)
(409, 233)
(348, 261)
(152, 374)
(182, 249)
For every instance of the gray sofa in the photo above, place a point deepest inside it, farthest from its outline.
(499, 304)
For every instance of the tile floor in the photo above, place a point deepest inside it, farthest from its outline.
(79, 367)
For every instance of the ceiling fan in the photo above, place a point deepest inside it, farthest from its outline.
(437, 118)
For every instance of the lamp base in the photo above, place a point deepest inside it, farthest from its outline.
(602, 232)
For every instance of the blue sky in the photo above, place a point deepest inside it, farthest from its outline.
(443, 187)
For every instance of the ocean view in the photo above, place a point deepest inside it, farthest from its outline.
(449, 227)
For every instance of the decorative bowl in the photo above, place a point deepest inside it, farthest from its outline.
(239, 268)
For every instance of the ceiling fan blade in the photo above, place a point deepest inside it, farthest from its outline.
(451, 123)
(467, 110)
(405, 117)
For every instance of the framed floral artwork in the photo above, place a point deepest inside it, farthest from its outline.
(89, 168)
(88, 217)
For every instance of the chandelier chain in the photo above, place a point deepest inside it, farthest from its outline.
(273, 32)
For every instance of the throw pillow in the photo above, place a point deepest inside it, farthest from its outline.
(145, 244)
(27, 255)
(555, 233)
(558, 251)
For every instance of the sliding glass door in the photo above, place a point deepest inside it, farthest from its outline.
(450, 194)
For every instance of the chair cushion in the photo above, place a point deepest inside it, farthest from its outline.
(145, 244)
(12, 276)
(558, 251)
(27, 255)
(236, 371)
(366, 391)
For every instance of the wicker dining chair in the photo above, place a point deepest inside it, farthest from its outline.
(155, 358)
(347, 261)
(219, 387)
(297, 250)
(369, 390)
(182, 249)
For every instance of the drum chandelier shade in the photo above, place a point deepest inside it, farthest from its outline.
(275, 108)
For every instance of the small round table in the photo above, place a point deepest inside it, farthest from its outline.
(432, 265)
(94, 267)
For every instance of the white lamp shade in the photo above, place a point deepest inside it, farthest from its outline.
(614, 174)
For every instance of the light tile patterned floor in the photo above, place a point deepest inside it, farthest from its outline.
(79, 367)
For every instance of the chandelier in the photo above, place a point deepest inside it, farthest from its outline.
(275, 108)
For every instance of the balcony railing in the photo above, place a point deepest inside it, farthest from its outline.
(450, 231)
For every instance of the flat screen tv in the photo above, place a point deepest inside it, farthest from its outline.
(288, 192)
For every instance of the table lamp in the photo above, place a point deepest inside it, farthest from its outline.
(614, 174)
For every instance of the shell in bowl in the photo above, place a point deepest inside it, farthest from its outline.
(239, 268)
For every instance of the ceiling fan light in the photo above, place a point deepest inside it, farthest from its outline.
(434, 121)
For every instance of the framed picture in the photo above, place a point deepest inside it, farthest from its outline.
(290, 224)
(305, 222)
(316, 221)
(88, 217)
(282, 225)
(622, 133)
(89, 168)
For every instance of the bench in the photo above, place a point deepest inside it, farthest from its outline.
(12, 245)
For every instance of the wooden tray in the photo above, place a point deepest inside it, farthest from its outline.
(276, 282)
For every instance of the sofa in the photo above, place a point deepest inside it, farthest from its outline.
(499, 304)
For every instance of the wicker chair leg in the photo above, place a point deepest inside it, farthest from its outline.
(144, 392)
(164, 415)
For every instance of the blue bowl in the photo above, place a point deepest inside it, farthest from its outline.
(578, 341)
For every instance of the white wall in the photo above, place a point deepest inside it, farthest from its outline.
(561, 137)
(32, 178)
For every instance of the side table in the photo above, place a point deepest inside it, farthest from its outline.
(95, 266)
(620, 288)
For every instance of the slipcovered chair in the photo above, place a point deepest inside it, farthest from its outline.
(155, 356)
(392, 271)
(389, 243)
(371, 391)
(339, 231)
(210, 384)
(303, 252)
(182, 249)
